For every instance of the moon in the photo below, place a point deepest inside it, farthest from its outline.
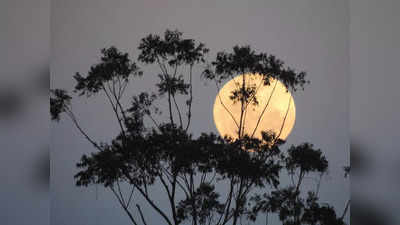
(275, 111)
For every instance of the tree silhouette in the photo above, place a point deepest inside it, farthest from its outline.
(149, 152)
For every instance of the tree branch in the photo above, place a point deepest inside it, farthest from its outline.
(120, 193)
(165, 73)
(227, 205)
(124, 207)
(74, 120)
(266, 105)
(146, 196)
(177, 109)
(189, 114)
(115, 111)
(242, 102)
(141, 214)
(345, 209)
(284, 119)
(130, 197)
(223, 105)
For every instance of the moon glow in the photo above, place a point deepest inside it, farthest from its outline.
(277, 103)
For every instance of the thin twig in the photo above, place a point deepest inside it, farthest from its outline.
(223, 105)
(124, 207)
(141, 214)
(120, 193)
(130, 197)
(177, 109)
(345, 209)
(146, 196)
(115, 110)
(284, 119)
(266, 105)
(75, 121)
(189, 114)
(154, 121)
(319, 184)
(242, 101)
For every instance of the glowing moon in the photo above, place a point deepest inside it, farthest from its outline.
(279, 116)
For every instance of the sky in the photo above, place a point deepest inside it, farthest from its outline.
(337, 42)
(374, 107)
(24, 104)
(310, 35)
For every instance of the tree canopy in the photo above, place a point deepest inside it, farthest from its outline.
(148, 152)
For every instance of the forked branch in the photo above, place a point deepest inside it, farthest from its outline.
(265, 107)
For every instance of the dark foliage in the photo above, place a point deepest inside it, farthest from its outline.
(172, 85)
(114, 66)
(244, 60)
(306, 159)
(295, 210)
(203, 203)
(166, 155)
(59, 101)
(171, 47)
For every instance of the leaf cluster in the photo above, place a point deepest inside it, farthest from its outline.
(114, 66)
(171, 47)
(172, 85)
(205, 203)
(245, 60)
(306, 159)
(292, 209)
(59, 101)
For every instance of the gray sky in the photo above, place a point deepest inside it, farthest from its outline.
(374, 108)
(311, 35)
(24, 130)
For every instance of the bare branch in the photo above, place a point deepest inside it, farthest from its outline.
(265, 107)
(284, 119)
(120, 193)
(130, 197)
(189, 114)
(177, 109)
(115, 110)
(141, 214)
(123, 88)
(227, 205)
(345, 209)
(75, 121)
(124, 207)
(230, 113)
(153, 120)
(319, 183)
(146, 196)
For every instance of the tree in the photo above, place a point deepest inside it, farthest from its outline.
(147, 152)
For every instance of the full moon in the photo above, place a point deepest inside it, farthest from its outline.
(275, 111)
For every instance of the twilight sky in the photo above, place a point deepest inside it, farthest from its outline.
(310, 35)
